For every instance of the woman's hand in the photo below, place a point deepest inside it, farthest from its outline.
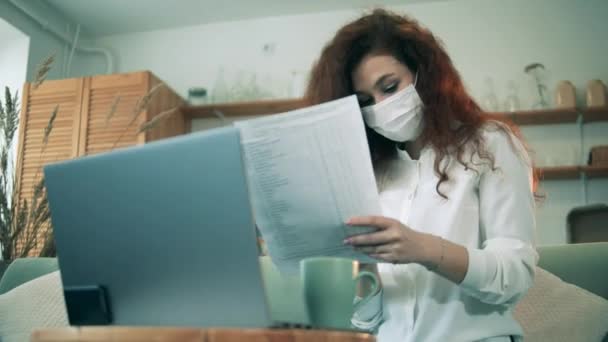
(397, 243)
(393, 242)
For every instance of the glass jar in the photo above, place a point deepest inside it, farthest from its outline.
(512, 103)
(197, 96)
(489, 100)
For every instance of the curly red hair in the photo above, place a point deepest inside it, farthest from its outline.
(439, 85)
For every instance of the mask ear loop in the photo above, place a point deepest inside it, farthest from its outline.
(416, 79)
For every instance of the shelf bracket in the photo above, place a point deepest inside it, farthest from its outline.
(583, 161)
(584, 187)
(580, 120)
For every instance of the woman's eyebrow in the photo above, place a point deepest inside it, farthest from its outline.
(378, 83)
(383, 78)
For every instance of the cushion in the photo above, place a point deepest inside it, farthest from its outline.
(21, 271)
(36, 304)
(554, 310)
(565, 261)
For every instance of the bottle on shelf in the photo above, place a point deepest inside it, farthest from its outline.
(221, 92)
(489, 100)
(197, 96)
(538, 78)
(512, 102)
(565, 95)
(596, 94)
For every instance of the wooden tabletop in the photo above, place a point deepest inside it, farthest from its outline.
(116, 334)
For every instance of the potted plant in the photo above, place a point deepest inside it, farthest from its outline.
(25, 227)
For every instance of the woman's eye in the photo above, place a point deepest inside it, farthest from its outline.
(365, 101)
(391, 88)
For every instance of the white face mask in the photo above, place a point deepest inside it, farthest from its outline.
(399, 117)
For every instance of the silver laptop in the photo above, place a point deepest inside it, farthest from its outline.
(160, 234)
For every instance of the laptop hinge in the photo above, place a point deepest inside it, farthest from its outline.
(87, 305)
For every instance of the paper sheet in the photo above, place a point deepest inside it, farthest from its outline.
(308, 172)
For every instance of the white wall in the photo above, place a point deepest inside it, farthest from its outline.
(13, 58)
(486, 38)
(14, 50)
(13, 66)
(43, 43)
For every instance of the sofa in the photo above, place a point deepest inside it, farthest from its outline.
(21, 271)
(583, 265)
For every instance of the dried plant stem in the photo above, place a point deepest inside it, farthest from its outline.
(43, 70)
(49, 126)
(113, 108)
(45, 139)
(140, 106)
(143, 102)
(146, 126)
(23, 220)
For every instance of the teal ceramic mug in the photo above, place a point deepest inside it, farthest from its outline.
(329, 286)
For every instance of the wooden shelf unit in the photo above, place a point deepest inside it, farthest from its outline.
(243, 108)
(554, 116)
(82, 126)
(596, 171)
(595, 114)
(528, 117)
(573, 172)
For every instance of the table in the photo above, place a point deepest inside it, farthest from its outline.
(128, 334)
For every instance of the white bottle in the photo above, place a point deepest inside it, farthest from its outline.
(596, 94)
(565, 95)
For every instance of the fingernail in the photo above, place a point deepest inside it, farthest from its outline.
(348, 221)
(346, 241)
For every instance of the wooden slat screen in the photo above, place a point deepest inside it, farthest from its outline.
(37, 107)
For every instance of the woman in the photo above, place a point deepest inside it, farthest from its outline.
(457, 237)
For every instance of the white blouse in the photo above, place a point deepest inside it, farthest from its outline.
(491, 213)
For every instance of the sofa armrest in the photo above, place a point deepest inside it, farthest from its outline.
(23, 270)
(584, 265)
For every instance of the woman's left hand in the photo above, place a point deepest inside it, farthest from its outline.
(393, 242)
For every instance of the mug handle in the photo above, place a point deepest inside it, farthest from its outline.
(374, 290)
